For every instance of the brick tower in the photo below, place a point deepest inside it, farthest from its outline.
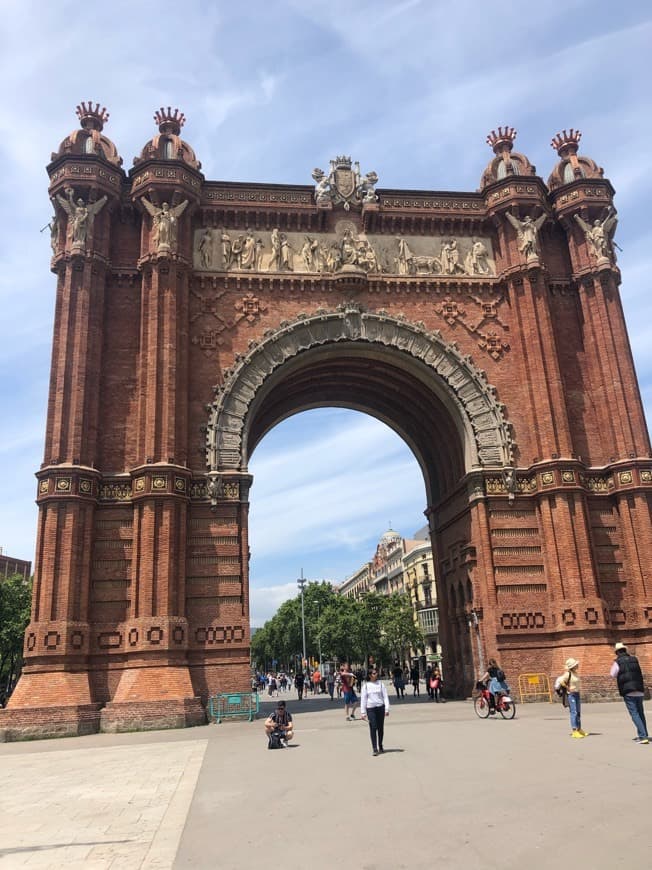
(192, 316)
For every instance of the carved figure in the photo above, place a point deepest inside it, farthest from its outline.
(322, 186)
(404, 258)
(348, 252)
(309, 253)
(286, 254)
(258, 256)
(214, 489)
(206, 249)
(477, 260)
(509, 482)
(80, 216)
(275, 241)
(225, 239)
(527, 232)
(428, 265)
(366, 188)
(367, 258)
(165, 223)
(236, 252)
(248, 256)
(450, 258)
(54, 233)
(598, 236)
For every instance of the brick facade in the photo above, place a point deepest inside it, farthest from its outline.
(502, 359)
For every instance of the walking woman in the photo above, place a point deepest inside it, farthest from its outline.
(374, 706)
(570, 681)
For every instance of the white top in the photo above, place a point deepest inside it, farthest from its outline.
(374, 694)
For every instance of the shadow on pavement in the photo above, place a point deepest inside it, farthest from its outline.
(321, 703)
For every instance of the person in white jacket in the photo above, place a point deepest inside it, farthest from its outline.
(374, 706)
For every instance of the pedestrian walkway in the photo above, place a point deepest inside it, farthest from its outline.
(451, 790)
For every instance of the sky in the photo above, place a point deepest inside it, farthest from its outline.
(271, 90)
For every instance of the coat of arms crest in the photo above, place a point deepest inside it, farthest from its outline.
(344, 184)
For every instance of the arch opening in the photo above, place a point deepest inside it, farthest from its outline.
(421, 386)
(370, 362)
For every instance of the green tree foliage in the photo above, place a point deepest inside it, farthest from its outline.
(399, 631)
(347, 630)
(281, 637)
(15, 603)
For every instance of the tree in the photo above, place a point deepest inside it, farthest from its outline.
(15, 604)
(347, 630)
(281, 637)
(399, 631)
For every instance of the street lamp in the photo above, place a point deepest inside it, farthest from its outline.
(301, 583)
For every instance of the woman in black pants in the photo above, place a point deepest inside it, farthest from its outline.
(374, 706)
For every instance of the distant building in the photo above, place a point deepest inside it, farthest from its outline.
(9, 566)
(404, 566)
(357, 584)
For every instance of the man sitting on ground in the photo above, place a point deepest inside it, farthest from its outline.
(281, 721)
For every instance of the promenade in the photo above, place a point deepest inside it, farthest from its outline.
(451, 791)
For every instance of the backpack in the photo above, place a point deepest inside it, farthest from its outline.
(275, 740)
(500, 675)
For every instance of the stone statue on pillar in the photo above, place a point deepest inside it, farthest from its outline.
(165, 223)
(598, 236)
(527, 232)
(80, 217)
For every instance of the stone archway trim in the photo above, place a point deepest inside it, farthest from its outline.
(492, 447)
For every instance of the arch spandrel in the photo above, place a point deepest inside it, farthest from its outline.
(458, 383)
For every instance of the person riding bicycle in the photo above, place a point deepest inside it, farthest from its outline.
(495, 676)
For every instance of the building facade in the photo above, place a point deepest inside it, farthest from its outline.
(10, 565)
(404, 566)
(192, 315)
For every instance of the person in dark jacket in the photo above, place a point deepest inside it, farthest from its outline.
(429, 689)
(627, 671)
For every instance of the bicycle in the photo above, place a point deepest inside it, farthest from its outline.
(505, 705)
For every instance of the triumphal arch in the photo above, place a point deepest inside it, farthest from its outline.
(486, 328)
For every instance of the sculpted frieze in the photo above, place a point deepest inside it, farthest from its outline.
(234, 251)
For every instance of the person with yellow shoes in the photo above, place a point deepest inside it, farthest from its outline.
(570, 681)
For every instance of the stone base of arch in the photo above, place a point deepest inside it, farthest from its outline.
(152, 715)
(37, 723)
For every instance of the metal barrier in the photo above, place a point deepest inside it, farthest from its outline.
(533, 686)
(234, 704)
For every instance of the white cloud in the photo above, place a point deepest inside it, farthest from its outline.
(271, 90)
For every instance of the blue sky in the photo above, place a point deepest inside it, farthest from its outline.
(270, 90)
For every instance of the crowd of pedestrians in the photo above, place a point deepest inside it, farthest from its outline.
(367, 691)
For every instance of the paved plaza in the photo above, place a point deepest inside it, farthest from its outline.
(451, 790)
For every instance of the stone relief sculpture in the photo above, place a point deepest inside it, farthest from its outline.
(165, 223)
(286, 254)
(477, 260)
(344, 185)
(598, 236)
(345, 249)
(309, 253)
(206, 249)
(527, 232)
(450, 258)
(80, 217)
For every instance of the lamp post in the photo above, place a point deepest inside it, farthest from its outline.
(318, 638)
(301, 583)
